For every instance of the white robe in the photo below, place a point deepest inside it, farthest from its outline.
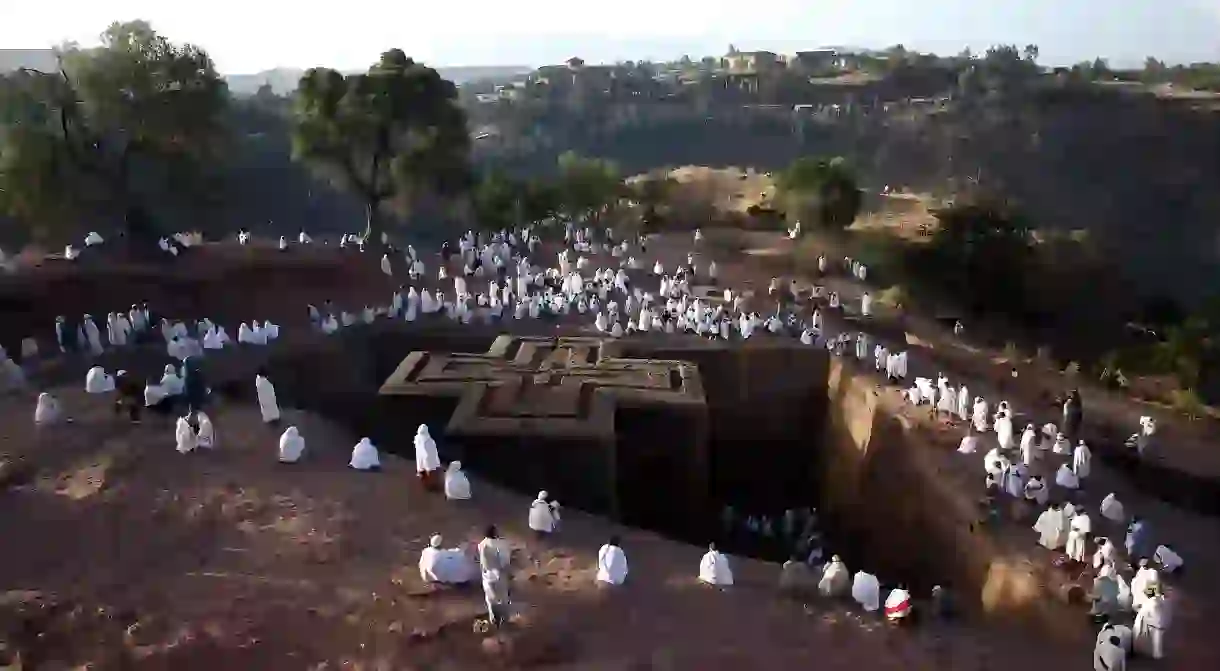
(1050, 529)
(1167, 558)
(47, 410)
(1107, 656)
(1003, 432)
(1065, 478)
(185, 436)
(292, 445)
(1077, 539)
(611, 565)
(426, 458)
(98, 382)
(364, 456)
(1149, 629)
(449, 566)
(541, 517)
(1081, 461)
(1144, 578)
(207, 431)
(1112, 509)
(969, 444)
(1029, 446)
(457, 485)
(266, 399)
(714, 569)
(866, 590)
(834, 580)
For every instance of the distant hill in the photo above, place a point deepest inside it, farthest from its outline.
(284, 80)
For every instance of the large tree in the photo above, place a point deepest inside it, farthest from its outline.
(390, 136)
(588, 186)
(820, 192)
(115, 130)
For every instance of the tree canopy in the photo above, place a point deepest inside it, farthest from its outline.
(821, 192)
(71, 141)
(390, 135)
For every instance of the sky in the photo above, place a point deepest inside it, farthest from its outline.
(248, 36)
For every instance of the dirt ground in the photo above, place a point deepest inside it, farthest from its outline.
(121, 553)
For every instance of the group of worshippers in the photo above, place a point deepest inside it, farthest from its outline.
(1013, 469)
(794, 532)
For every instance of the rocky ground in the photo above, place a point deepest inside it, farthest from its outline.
(121, 553)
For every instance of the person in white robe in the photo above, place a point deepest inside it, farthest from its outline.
(98, 382)
(267, 404)
(92, 335)
(1105, 554)
(93, 239)
(365, 456)
(963, 403)
(184, 435)
(171, 382)
(1112, 509)
(1003, 430)
(897, 605)
(1029, 445)
(1014, 481)
(714, 568)
(835, 581)
(427, 461)
(457, 485)
(1169, 560)
(1150, 623)
(1108, 653)
(292, 446)
(1050, 527)
(449, 566)
(385, 265)
(542, 515)
(611, 563)
(970, 442)
(212, 341)
(866, 305)
(1078, 536)
(1146, 577)
(1065, 478)
(47, 410)
(980, 415)
(1036, 491)
(1082, 458)
(206, 436)
(866, 590)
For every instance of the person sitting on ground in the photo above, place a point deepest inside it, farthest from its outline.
(714, 568)
(47, 411)
(457, 485)
(446, 566)
(612, 563)
(365, 456)
(292, 446)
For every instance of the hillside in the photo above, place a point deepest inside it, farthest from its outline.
(283, 81)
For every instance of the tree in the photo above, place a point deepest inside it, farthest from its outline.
(980, 252)
(498, 201)
(821, 192)
(390, 136)
(587, 186)
(117, 128)
(652, 194)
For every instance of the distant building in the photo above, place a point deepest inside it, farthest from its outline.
(818, 60)
(753, 62)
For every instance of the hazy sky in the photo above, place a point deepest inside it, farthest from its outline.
(253, 35)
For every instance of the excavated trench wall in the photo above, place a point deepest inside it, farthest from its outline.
(898, 515)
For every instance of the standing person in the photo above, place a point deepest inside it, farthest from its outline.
(494, 563)
(1073, 414)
